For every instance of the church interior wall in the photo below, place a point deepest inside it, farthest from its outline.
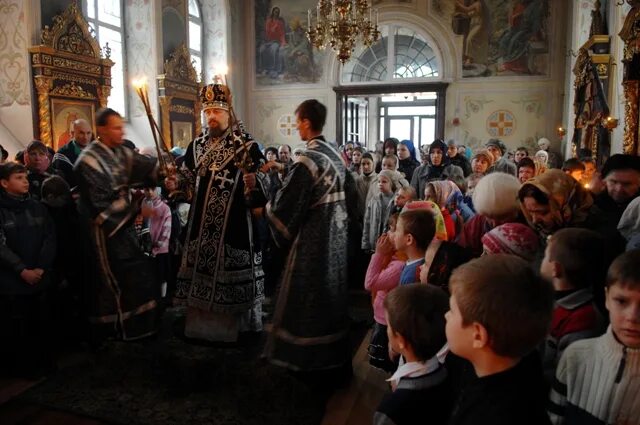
(534, 103)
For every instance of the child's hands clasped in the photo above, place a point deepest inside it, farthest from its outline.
(384, 246)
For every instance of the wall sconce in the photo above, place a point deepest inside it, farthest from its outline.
(561, 131)
(610, 123)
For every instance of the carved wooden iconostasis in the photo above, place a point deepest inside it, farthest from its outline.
(592, 121)
(630, 35)
(71, 77)
(179, 100)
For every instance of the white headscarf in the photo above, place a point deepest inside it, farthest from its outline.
(629, 224)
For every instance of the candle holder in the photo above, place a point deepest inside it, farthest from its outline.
(140, 86)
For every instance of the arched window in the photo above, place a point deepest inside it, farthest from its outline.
(405, 52)
(195, 36)
(105, 18)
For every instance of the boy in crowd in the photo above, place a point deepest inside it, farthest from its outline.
(499, 312)
(414, 232)
(574, 262)
(415, 317)
(27, 252)
(160, 230)
(597, 379)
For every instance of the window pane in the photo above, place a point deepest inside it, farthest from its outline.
(412, 110)
(398, 97)
(197, 64)
(428, 131)
(400, 129)
(193, 8)
(109, 12)
(195, 36)
(414, 57)
(114, 38)
(91, 9)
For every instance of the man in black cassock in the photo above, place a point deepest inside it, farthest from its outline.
(122, 298)
(221, 277)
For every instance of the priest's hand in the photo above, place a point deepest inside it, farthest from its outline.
(249, 180)
(272, 165)
(32, 277)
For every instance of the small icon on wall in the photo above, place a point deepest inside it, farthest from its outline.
(287, 125)
(501, 123)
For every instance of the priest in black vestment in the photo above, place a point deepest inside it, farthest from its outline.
(122, 299)
(221, 277)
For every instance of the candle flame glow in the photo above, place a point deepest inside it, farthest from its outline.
(138, 83)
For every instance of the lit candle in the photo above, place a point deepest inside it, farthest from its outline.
(309, 18)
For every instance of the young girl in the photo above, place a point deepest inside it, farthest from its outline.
(378, 207)
(382, 276)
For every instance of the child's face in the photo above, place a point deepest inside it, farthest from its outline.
(384, 184)
(356, 157)
(546, 268)
(400, 237)
(402, 198)
(367, 165)
(388, 164)
(623, 304)
(428, 194)
(150, 192)
(459, 337)
(391, 233)
(520, 155)
(16, 184)
(526, 173)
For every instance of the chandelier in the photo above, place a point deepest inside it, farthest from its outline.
(339, 24)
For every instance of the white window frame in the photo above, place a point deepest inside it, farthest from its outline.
(96, 24)
(195, 53)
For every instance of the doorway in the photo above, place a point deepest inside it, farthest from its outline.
(367, 114)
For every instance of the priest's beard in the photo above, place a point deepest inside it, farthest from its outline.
(216, 131)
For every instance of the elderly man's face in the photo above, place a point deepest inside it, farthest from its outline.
(82, 133)
(622, 185)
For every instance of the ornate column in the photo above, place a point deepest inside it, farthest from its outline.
(630, 138)
(103, 95)
(165, 105)
(44, 84)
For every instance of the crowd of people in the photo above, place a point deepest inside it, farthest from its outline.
(505, 287)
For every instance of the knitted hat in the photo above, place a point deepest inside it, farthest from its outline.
(496, 195)
(512, 238)
(621, 162)
(483, 153)
(394, 177)
(496, 143)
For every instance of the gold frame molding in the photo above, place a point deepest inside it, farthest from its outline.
(630, 35)
(68, 65)
(179, 94)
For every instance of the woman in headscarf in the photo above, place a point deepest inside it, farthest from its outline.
(554, 200)
(512, 238)
(447, 195)
(438, 160)
(347, 153)
(407, 156)
(441, 230)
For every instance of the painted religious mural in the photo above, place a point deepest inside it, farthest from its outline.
(500, 37)
(283, 52)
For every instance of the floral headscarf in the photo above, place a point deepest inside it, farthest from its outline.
(512, 238)
(441, 230)
(447, 194)
(569, 202)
